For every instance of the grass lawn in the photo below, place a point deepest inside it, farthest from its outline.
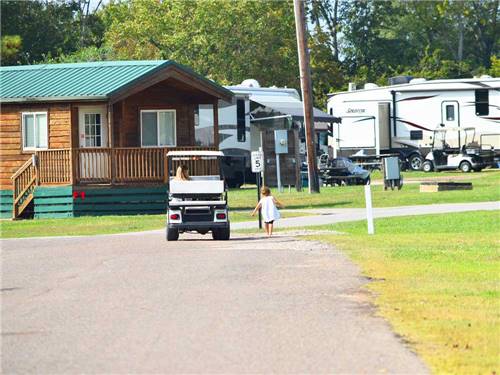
(92, 225)
(486, 187)
(436, 279)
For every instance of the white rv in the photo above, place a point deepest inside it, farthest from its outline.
(401, 118)
(242, 121)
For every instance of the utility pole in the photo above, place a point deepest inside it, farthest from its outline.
(306, 87)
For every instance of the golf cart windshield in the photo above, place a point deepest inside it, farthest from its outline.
(195, 172)
(194, 165)
(453, 137)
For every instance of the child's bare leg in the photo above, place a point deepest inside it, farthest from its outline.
(270, 230)
(266, 227)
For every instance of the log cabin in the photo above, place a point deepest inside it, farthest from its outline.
(91, 138)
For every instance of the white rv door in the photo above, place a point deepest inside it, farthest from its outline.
(450, 117)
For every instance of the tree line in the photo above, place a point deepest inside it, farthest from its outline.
(228, 41)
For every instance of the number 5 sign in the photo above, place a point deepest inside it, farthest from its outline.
(257, 161)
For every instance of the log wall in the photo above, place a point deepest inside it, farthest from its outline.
(12, 156)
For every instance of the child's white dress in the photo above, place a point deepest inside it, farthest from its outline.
(269, 210)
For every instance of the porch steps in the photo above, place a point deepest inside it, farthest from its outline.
(6, 200)
(68, 201)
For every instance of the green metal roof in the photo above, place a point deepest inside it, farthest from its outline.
(80, 81)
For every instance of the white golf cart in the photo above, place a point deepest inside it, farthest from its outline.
(447, 154)
(200, 203)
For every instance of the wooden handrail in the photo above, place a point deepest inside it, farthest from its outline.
(25, 190)
(22, 169)
(24, 181)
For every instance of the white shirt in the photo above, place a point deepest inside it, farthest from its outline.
(268, 209)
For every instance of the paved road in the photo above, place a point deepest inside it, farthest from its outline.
(133, 303)
(336, 215)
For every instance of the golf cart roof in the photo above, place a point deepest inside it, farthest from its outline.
(195, 153)
(453, 129)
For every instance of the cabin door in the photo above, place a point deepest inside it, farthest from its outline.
(450, 118)
(93, 135)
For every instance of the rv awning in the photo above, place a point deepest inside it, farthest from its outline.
(291, 107)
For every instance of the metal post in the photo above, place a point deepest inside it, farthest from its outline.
(306, 86)
(258, 199)
(278, 172)
(369, 209)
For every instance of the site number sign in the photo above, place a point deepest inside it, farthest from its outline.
(257, 161)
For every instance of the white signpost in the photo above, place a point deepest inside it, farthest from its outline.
(257, 168)
(369, 209)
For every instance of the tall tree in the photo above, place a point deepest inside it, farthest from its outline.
(45, 29)
(225, 40)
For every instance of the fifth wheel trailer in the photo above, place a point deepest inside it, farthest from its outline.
(401, 118)
(248, 123)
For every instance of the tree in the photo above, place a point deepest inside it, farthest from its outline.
(225, 40)
(46, 29)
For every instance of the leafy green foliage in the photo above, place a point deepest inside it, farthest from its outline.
(36, 31)
(227, 41)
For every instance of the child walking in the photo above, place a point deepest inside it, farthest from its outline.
(268, 205)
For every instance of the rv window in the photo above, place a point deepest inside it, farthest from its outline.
(415, 135)
(240, 120)
(482, 103)
(197, 116)
(450, 113)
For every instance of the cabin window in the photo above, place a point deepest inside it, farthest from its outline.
(240, 120)
(35, 134)
(482, 103)
(158, 128)
(450, 113)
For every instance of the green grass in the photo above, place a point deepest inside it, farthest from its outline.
(92, 225)
(436, 279)
(486, 187)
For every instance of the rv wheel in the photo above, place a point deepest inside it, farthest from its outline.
(416, 162)
(172, 234)
(427, 166)
(465, 166)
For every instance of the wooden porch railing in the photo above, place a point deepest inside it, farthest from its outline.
(112, 165)
(54, 166)
(24, 181)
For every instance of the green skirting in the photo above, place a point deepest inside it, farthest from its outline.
(69, 201)
(6, 199)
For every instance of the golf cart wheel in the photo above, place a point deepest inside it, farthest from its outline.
(427, 166)
(416, 161)
(465, 167)
(221, 234)
(172, 234)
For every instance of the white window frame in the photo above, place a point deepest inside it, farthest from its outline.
(158, 126)
(35, 130)
(95, 135)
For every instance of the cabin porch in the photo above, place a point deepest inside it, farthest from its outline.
(79, 181)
